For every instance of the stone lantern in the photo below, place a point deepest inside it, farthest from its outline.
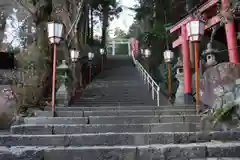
(210, 56)
(179, 97)
(62, 96)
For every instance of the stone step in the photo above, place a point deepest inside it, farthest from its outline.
(101, 108)
(111, 139)
(115, 113)
(201, 151)
(103, 128)
(113, 119)
(122, 103)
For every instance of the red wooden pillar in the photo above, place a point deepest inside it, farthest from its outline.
(188, 99)
(133, 46)
(231, 37)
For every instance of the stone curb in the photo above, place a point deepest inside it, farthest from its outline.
(102, 128)
(111, 139)
(199, 151)
(81, 108)
(114, 113)
(113, 119)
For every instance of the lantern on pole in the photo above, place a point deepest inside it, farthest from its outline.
(195, 31)
(168, 57)
(55, 34)
(147, 53)
(90, 58)
(74, 54)
(102, 52)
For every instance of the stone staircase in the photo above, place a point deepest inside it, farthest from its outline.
(116, 119)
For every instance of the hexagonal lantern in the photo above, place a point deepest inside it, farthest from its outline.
(195, 30)
(168, 56)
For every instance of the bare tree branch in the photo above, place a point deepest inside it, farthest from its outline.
(20, 2)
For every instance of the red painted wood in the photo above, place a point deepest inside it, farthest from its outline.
(203, 8)
(231, 37)
(186, 62)
(212, 22)
(177, 42)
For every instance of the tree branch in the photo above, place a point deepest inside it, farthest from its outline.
(25, 6)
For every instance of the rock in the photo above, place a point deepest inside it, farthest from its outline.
(7, 108)
(223, 74)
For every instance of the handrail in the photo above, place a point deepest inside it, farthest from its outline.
(148, 80)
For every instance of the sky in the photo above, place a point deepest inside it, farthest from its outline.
(126, 17)
(124, 21)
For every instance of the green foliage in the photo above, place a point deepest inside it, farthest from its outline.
(225, 113)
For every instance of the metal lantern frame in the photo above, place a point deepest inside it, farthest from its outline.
(55, 32)
(90, 56)
(195, 30)
(168, 56)
(74, 54)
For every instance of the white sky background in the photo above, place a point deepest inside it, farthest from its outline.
(124, 21)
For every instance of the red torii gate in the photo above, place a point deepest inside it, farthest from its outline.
(206, 12)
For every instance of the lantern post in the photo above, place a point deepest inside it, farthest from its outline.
(102, 52)
(168, 57)
(195, 31)
(90, 58)
(74, 54)
(55, 34)
(147, 53)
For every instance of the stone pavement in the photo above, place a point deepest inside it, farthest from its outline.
(116, 119)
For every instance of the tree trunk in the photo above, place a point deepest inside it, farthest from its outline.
(105, 25)
(91, 22)
(36, 87)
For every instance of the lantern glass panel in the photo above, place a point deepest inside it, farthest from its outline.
(55, 32)
(74, 54)
(168, 55)
(195, 30)
(147, 53)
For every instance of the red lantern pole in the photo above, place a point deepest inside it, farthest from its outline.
(54, 78)
(197, 83)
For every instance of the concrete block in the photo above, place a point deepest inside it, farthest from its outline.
(56, 120)
(174, 127)
(123, 120)
(200, 151)
(119, 113)
(184, 152)
(59, 114)
(21, 153)
(32, 129)
(192, 118)
(149, 153)
(138, 112)
(176, 112)
(223, 150)
(142, 119)
(116, 107)
(108, 139)
(91, 153)
(100, 128)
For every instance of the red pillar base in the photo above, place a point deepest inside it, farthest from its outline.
(188, 98)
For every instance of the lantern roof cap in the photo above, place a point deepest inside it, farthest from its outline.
(209, 50)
